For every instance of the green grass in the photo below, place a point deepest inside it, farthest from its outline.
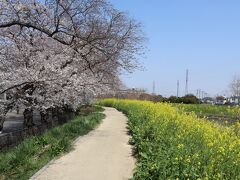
(24, 160)
(88, 109)
(223, 115)
(210, 110)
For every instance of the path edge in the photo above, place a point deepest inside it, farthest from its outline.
(41, 170)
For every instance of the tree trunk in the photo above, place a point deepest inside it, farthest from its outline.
(54, 114)
(17, 109)
(3, 112)
(28, 117)
(61, 117)
(45, 117)
(2, 119)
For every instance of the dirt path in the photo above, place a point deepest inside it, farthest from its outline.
(103, 154)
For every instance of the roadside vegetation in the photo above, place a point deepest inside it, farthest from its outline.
(170, 144)
(22, 161)
(224, 115)
(206, 110)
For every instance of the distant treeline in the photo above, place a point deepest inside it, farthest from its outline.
(188, 99)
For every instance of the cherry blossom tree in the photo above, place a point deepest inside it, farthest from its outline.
(54, 52)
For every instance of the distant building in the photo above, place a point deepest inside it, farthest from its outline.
(221, 100)
(234, 100)
(207, 100)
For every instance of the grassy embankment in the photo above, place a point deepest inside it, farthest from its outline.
(170, 144)
(22, 161)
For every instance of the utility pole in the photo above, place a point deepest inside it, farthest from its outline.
(154, 88)
(203, 94)
(199, 93)
(177, 88)
(186, 87)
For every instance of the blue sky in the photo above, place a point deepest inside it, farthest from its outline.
(201, 35)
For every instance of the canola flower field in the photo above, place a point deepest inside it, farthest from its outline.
(177, 145)
(206, 110)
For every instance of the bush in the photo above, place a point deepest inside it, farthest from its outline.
(188, 99)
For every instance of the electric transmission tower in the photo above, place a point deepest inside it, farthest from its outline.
(153, 88)
(186, 87)
(177, 88)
